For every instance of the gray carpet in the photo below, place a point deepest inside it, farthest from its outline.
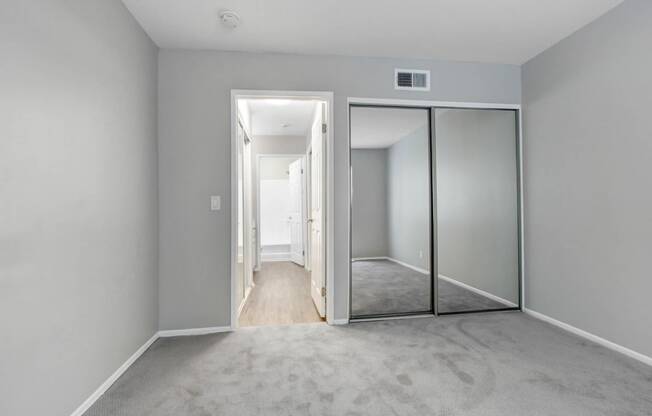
(474, 365)
(383, 287)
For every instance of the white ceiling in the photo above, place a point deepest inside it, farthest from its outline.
(503, 31)
(375, 127)
(268, 116)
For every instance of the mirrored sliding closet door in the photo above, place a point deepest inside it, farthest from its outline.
(477, 209)
(390, 211)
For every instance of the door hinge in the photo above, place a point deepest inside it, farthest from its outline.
(302, 171)
(323, 291)
(323, 128)
(303, 252)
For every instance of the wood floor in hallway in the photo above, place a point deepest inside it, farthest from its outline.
(280, 296)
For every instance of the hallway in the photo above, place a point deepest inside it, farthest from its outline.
(281, 296)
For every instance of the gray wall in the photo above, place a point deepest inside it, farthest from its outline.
(477, 194)
(588, 147)
(194, 155)
(78, 212)
(408, 199)
(369, 203)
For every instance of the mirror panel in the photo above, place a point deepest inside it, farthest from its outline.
(390, 211)
(476, 153)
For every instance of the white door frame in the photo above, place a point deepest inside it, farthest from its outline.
(308, 179)
(326, 96)
(303, 196)
(451, 104)
(247, 264)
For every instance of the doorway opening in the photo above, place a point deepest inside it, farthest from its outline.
(280, 238)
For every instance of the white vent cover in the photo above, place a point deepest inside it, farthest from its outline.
(412, 79)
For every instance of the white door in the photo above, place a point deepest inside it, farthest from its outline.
(317, 220)
(295, 217)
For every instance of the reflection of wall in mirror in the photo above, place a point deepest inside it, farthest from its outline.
(369, 203)
(477, 199)
(408, 197)
(275, 206)
(390, 201)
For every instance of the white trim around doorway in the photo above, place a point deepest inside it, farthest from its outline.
(327, 97)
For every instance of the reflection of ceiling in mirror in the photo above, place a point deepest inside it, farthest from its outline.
(378, 128)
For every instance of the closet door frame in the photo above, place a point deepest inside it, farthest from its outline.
(431, 106)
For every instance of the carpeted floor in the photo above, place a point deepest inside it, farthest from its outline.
(497, 364)
(383, 286)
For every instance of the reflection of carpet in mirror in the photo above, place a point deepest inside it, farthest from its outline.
(383, 286)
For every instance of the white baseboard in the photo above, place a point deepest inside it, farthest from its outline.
(402, 263)
(193, 331)
(344, 321)
(274, 257)
(591, 337)
(113, 377)
(369, 258)
(479, 291)
(409, 266)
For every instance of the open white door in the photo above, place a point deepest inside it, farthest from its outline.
(296, 212)
(317, 214)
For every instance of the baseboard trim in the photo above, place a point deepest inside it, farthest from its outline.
(267, 257)
(113, 377)
(591, 337)
(409, 266)
(273, 260)
(344, 321)
(478, 291)
(402, 263)
(193, 331)
(369, 258)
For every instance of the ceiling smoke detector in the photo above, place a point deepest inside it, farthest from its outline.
(229, 18)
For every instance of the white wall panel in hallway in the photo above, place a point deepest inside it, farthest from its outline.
(276, 207)
(295, 217)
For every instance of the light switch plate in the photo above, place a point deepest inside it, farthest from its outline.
(216, 203)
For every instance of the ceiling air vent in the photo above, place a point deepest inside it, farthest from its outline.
(411, 79)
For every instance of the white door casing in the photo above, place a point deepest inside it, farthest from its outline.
(317, 220)
(247, 217)
(326, 99)
(295, 216)
(249, 236)
(307, 178)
